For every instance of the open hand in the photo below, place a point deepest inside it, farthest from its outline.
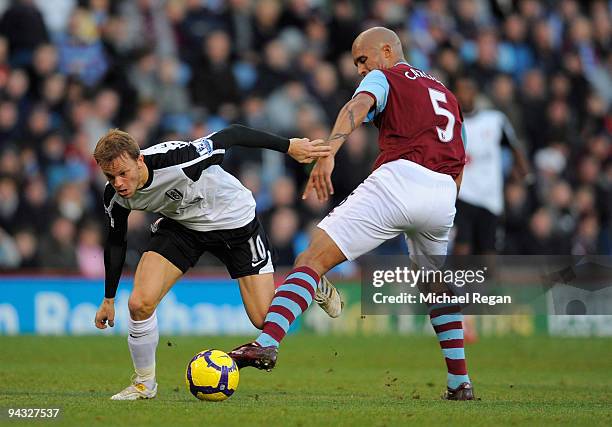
(305, 151)
(320, 179)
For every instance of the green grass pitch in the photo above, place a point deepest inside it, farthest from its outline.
(319, 381)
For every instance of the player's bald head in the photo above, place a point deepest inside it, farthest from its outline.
(376, 48)
(377, 37)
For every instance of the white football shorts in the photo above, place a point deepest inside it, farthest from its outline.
(398, 197)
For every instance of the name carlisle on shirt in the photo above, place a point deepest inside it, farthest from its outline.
(414, 74)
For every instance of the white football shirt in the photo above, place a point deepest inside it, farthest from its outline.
(482, 184)
(187, 185)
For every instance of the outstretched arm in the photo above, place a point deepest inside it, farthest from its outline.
(301, 149)
(349, 118)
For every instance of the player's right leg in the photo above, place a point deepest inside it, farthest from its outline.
(246, 254)
(291, 299)
(154, 277)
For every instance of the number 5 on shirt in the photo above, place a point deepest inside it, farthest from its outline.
(445, 135)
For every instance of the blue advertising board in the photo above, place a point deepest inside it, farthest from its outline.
(67, 305)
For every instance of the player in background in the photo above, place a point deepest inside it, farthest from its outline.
(481, 199)
(412, 190)
(203, 208)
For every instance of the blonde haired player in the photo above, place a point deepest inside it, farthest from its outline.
(203, 209)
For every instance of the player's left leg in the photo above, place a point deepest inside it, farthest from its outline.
(427, 249)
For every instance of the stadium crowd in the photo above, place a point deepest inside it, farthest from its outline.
(180, 69)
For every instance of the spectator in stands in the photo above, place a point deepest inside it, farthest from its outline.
(80, 49)
(9, 252)
(171, 92)
(34, 209)
(9, 203)
(354, 163)
(213, 83)
(9, 116)
(284, 195)
(283, 228)
(102, 115)
(325, 90)
(266, 23)
(26, 241)
(516, 217)
(44, 64)
(486, 67)
(57, 248)
(147, 25)
(70, 202)
(23, 15)
(89, 251)
(17, 88)
(586, 241)
(276, 69)
(343, 28)
(540, 238)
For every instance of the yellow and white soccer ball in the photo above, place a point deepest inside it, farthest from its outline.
(212, 375)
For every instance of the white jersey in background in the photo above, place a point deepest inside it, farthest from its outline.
(482, 184)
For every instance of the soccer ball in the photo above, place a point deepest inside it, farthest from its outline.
(212, 375)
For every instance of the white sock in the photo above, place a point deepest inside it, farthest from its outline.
(143, 336)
